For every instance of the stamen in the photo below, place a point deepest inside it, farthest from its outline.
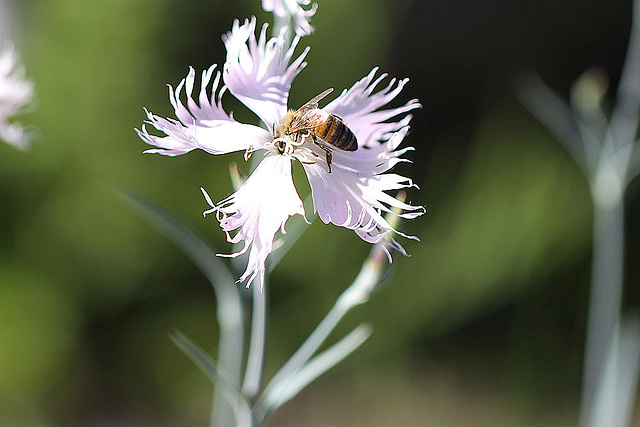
(248, 153)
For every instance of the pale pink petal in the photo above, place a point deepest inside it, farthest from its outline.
(284, 9)
(16, 93)
(219, 137)
(276, 7)
(258, 73)
(359, 107)
(203, 125)
(354, 194)
(210, 108)
(259, 208)
(376, 159)
(15, 134)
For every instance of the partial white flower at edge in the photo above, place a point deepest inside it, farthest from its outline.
(283, 9)
(259, 73)
(15, 94)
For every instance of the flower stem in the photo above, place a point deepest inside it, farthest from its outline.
(231, 341)
(624, 117)
(605, 299)
(602, 375)
(357, 293)
(257, 344)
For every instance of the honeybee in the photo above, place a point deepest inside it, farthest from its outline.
(327, 130)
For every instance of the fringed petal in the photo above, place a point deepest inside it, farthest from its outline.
(203, 125)
(259, 208)
(16, 93)
(354, 194)
(285, 9)
(259, 72)
(359, 107)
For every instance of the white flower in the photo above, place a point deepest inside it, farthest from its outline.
(283, 9)
(15, 94)
(351, 194)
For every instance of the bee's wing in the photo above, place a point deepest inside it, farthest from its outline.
(307, 120)
(313, 102)
(304, 119)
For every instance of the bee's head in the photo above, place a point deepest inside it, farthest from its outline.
(281, 146)
(282, 129)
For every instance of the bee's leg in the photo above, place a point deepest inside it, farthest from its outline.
(327, 152)
(328, 157)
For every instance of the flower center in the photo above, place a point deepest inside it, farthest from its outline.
(284, 146)
(294, 146)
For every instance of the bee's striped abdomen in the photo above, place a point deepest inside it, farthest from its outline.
(334, 132)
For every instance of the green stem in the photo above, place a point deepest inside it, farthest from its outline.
(257, 344)
(357, 293)
(605, 298)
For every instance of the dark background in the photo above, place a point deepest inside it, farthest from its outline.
(483, 325)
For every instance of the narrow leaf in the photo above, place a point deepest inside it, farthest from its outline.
(206, 364)
(289, 387)
(366, 282)
(200, 252)
(229, 305)
(634, 162)
(553, 113)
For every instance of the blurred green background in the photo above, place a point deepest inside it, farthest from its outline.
(483, 325)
